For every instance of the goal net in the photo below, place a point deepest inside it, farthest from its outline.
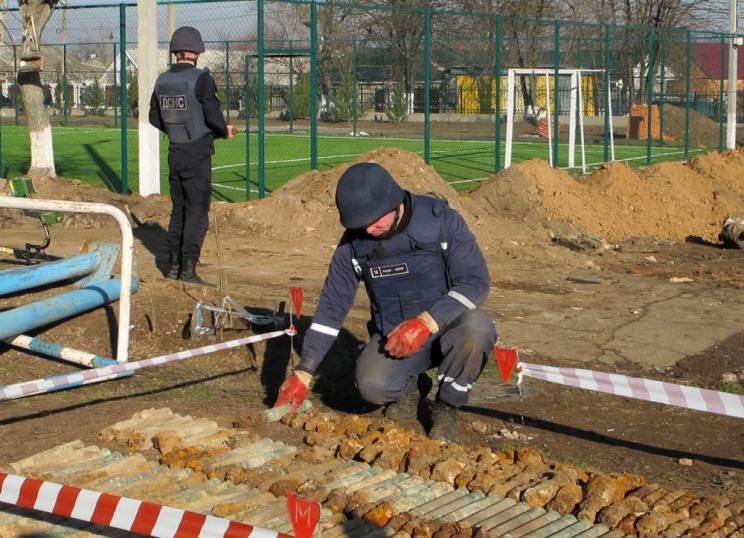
(569, 82)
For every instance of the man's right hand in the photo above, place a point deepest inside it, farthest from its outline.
(294, 390)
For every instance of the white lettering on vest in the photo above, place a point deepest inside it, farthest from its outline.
(390, 270)
(173, 102)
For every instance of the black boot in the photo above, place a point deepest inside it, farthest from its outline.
(174, 265)
(407, 407)
(188, 273)
(443, 422)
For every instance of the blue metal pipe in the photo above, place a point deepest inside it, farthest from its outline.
(58, 351)
(25, 278)
(24, 318)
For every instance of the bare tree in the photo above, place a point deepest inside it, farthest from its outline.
(36, 14)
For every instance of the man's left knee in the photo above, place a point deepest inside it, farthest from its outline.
(477, 322)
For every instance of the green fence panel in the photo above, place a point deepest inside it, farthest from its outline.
(317, 85)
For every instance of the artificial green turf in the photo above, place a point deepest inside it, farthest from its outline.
(94, 155)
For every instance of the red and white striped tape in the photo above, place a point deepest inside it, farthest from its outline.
(722, 403)
(39, 386)
(121, 512)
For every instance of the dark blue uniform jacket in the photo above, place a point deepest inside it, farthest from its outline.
(434, 265)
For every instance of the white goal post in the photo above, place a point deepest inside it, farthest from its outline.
(576, 110)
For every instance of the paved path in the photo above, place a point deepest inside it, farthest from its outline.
(580, 318)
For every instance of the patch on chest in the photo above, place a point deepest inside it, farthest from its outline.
(389, 270)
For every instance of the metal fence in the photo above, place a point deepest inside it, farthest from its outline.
(329, 68)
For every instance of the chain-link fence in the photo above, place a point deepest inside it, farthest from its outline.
(313, 85)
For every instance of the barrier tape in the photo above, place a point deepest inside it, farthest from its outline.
(722, 403)
(121, 512)
(39, 386)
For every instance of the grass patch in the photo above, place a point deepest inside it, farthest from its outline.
(731, 388)
(95, 155)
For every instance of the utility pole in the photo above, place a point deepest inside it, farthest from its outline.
(733, 75)
(171, 19)
(147, 66)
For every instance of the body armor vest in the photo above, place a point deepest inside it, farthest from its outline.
(406, 274)
(182, 113)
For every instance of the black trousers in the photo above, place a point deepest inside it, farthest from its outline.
(190, 179)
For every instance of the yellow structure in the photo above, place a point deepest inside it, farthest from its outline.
(477, 94)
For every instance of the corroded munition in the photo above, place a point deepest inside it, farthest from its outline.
(432, 490)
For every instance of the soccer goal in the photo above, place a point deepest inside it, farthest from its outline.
(572, 78)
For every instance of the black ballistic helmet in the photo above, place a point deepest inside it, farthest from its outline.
(366, 192)
(187, 39)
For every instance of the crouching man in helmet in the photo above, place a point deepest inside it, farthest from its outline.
(426, 278)
(185, 106)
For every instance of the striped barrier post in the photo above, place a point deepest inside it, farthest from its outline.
(39, 386)
(121, 512)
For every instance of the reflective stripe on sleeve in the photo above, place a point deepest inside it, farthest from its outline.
(323, 329)
(461, 298)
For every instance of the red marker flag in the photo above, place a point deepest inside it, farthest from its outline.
(507, 360)
(296, 294)
(304, 515)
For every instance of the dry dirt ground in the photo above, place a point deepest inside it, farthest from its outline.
(546, 235)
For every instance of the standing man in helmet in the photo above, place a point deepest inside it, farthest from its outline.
(426, 278)
(185, 106)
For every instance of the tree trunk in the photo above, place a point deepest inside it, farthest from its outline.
(39, 128)
(36, 14)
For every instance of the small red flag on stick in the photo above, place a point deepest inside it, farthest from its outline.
(296, 294)
(507, 360)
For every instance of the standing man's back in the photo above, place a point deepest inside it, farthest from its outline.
(185, 106)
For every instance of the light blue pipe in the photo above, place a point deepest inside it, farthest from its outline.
(34, 276)
(58, 351)
(24, 318)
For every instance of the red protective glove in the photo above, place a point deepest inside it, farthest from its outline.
(407, 338)
(294, 389)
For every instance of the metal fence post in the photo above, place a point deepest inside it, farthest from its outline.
(497, 72)
(314, 85)
(261, 104)
(556, 86)
(16, 104)
(247, 109)
(721, 94)
(227, 80)
(123, 83)
(355, 85)
(65, 107)
(688, 83)
(607, 96)
(115, 93)
(650, 93)
(427, 82)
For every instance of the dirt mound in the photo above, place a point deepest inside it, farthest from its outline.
(526, 204)
(703, 131)
(670, 201)
(154, 209)
(304, 210)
